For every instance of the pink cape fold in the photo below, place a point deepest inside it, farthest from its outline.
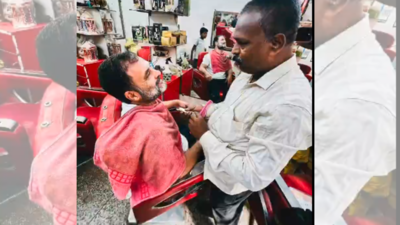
(141, 152)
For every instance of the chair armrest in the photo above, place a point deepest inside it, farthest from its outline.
(8, 125)
(197, 170)
(287, 193)
(81, 119)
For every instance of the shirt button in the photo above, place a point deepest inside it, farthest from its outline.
(103, 119)
(47, 104)
(45, 124)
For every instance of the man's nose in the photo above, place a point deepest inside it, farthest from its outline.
(235, 49)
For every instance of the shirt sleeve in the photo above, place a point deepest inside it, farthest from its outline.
(354, 141)
(274, 138)
(206, 60)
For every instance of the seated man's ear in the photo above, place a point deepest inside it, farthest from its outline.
(133, 96)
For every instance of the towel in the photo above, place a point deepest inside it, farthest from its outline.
(142, 153)
(53, 177)
(220, 62)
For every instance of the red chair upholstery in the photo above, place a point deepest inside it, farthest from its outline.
(145, 53)
(306, 70)
(391, 53)
(110, 112)
(385, 40)
(266, 204)
(88, 119)
(300, 183)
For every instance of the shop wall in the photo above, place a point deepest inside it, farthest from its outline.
(387, 26)
(201, 14)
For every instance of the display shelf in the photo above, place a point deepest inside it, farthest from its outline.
(151, 45)
(153, 11)
(94, 34)
(97, 8)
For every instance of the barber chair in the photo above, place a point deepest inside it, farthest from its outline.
(20, 98)
(270, 205)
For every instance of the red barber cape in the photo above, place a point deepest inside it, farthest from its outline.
(220, 62)
(141, 152)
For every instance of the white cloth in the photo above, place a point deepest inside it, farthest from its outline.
(126, 107)
(200, 47)
(208, 64)
(257, 129)
(355, 119)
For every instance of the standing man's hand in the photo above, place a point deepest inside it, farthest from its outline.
(197, 125)
(208, 77)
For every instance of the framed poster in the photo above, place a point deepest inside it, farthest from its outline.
(116, 14)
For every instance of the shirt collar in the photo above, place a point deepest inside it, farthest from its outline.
(269, 78)
(337, 46)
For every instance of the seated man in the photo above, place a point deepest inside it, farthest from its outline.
(142, 151)
(217, 68)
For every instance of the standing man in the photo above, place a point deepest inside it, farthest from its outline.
(199, 46)
(266, 116)
(355, 107)
(217, 68)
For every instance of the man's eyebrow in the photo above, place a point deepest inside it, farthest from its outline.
(147, 73)
(238, 39)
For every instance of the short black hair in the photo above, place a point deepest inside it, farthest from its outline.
(217, 38)
(56, 50)
(113, 77)
(277, 16)
(203, 30)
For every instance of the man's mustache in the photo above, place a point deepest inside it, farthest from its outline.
(237, 59)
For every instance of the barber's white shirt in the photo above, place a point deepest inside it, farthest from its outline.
(257, 129)
(355, 119)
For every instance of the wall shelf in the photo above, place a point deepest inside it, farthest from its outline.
(153, 11)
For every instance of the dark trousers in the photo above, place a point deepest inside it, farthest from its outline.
(226, 209)
(216, 88)
(194, 63)
(184, 130)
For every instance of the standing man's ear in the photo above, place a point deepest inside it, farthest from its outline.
(278, 42)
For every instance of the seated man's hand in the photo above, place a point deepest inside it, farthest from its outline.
(188, 106)
(197, 125)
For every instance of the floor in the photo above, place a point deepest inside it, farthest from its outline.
(96, 204)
